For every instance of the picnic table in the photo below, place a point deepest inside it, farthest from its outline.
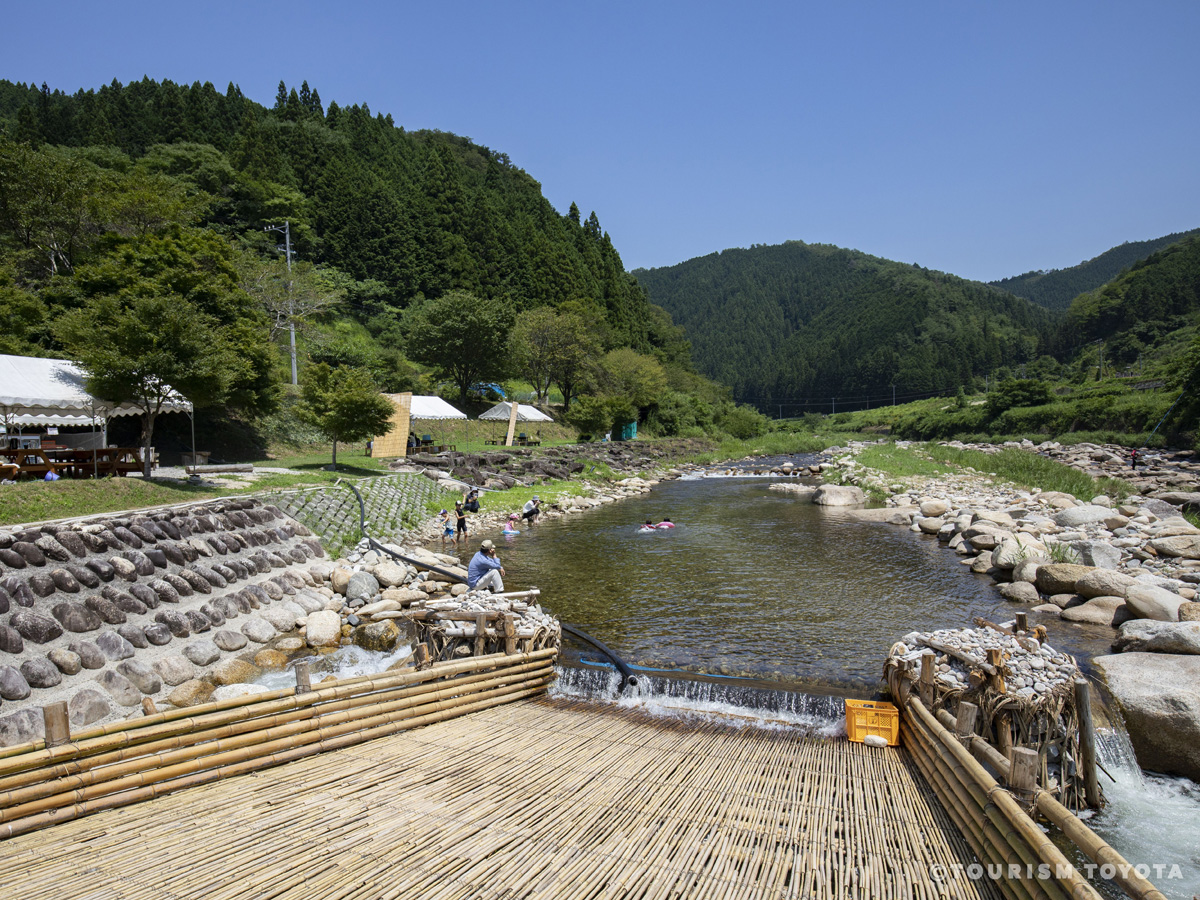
(74, 463)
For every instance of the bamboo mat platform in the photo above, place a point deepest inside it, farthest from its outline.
(542, 799)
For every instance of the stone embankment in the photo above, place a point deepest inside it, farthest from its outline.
(1131, 565)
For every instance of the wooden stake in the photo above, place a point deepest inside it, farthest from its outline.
(480, 634)
(58, 724)
(996, 661)
(510, 633)
(927, 661)
(964, 725)
(1022, 772)
(1022, 622)
(421, 655)
(303, 678)
(1087, 744)
(148, 707)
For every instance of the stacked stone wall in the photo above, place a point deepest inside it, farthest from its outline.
(104, 612)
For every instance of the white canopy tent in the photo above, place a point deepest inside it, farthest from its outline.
(503, 411)
(430, 407)
(37, 391)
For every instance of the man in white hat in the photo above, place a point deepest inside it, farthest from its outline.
(531, 510)
(483, 574)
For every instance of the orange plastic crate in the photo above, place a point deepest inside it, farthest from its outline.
(865, 717)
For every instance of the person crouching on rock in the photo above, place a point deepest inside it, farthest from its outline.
(484, 573)
(531, 510)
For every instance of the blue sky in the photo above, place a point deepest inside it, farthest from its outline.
(983, 139)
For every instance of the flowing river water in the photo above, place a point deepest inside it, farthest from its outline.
(769, 610)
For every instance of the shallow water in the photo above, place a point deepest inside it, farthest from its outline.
(750, 582)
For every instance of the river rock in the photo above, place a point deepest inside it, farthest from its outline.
(175, 669)
(1146, 601)
(202, 652)
(114, 646)
(1026, 569)
(380, 636)
(1020, 592)
(1015, 549)
(141, 675)
(157, 634)
(310, 601)
(34, 627)
(235, 671)
(1150, 636)
(88, 707)
(11, 641)
(76, 617)
(258, 629)
(1099, 554)
(933, 508)
(68, 663)
(1186, 546)
(30, 552)
(1081, 515)
(191, 693)
(839, 495)
(106, 609)
(929, 525)
(402, 595)
(120, 688)
(90, 656)
(1159, 697)
(1103, 583)
(1060, 578)
(390, 574)
(323, 629)
(229, 641)
(13, 685)
(270, 659)
(1188, 612)
(362, 586)
(1098, 611)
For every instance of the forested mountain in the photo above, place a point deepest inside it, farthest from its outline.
(414, 213)
(1056, 288)
(1144, 306)
(815, 321)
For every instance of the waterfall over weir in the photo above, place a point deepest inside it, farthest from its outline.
(737, 701)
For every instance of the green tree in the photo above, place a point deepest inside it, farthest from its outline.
(344, 404)
(533, 342)
(575, 361)
(462, 337)
(636, 378)
(143, 349)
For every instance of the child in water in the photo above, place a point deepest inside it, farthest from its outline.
(665, 523)
(510, 527)
(447, 527)
(649, 526)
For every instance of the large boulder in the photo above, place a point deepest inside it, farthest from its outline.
(1149, 636)
(362, 586)
(839, 495)
(390, 574)
(1098, 611)
(323, 629)
(1099, 554)
(1181, 545)
(1146, 601)
(1015, 549)
(1159, 697)
(1060, 578)
(1104, 583)
(377, 636)
(1081, 515)
(1020, 592)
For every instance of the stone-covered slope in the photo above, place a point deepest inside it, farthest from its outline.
(106, 611)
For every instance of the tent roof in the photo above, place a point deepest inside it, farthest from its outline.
(31, 386)
(428, 407)
(502, 411)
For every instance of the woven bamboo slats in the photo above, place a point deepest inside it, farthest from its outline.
(544, 798)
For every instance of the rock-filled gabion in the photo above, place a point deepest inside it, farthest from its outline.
(90, 610)
(450, 630)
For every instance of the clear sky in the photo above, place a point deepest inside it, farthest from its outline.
(980, 138)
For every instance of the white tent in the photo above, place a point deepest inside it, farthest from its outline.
(30, 386)
(502, 411)
(429, 407)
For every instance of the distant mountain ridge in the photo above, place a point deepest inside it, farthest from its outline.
(800, 320)
(1056, 288)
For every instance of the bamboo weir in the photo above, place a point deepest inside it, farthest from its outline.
(463, 778)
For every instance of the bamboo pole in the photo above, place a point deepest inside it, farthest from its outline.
(182, 721)
(1087, 744)
(38, 783)
(149, 791)
(1008, 810)
(1092, 845)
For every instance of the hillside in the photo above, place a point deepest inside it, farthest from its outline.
(1056, 288)
(808, 322)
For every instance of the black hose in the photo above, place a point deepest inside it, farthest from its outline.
(628, 679)
(375, 545)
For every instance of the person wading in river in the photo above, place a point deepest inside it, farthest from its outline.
(484, 573)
